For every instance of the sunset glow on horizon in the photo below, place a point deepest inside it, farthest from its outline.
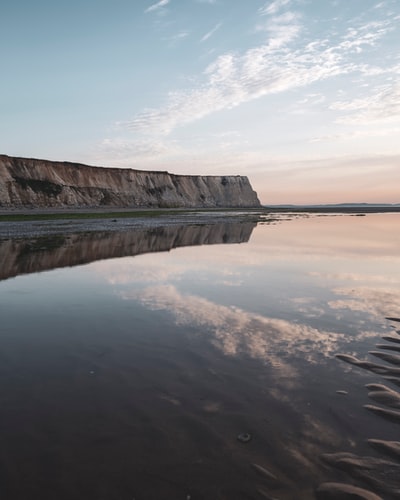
(302, 96)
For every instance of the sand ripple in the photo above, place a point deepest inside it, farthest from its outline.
(381, 474)
(339, 491)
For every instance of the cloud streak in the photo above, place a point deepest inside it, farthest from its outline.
(273, 7)
(383, 105)
(210, 33)
(276, 66)
(157, 6)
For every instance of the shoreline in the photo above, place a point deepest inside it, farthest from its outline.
(42, 224)
(38, 222)
(35, 211)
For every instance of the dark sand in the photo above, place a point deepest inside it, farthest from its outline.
(382, 474)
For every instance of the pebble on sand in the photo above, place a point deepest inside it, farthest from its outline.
(244, 437)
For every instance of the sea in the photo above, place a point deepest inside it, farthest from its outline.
(232, 360)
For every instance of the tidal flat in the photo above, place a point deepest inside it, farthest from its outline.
(207, 356)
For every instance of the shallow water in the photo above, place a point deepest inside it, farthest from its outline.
(131, 362)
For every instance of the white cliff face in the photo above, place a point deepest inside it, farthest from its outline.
(42, 183)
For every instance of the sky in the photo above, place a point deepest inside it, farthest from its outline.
(302, 96)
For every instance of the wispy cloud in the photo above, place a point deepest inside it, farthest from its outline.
(281, 29)
(121, 151)
(365, 35)
(271, 8)
(157, 6)
(383, 105)
(276, 66)
(358, 134)
(210, 33)
(174, 39)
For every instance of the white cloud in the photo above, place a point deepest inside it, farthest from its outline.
(210, 33)
(121, 150)
(174, 39)
(364, 35)
(273, 7)
(357, 134)
(281, 29)
(383, 105)
(278, 65)
(157, 6)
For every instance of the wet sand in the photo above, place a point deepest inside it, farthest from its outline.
(102, 417)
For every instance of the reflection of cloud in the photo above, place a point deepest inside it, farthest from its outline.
(142, 269)
(372, 237)
(356, 277)
(308, 307)
(379, 302)
(238, 332)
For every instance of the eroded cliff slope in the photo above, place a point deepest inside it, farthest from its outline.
(42, 183)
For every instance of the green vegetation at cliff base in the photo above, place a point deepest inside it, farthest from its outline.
(37, 216)
(14, 217)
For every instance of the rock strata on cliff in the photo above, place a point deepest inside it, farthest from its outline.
(42, 183)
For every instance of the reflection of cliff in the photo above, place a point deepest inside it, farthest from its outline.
(44, 253)
(42, 183)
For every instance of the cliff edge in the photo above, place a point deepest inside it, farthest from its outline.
(34, 183)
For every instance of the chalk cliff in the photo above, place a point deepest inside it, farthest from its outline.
(42, 183)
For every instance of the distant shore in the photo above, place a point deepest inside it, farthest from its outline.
(342, 209)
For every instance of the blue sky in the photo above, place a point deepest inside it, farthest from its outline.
(303, 96)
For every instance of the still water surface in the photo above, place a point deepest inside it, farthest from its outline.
(131, 362)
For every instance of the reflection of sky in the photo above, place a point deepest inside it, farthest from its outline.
(303, 287)
(284, 304)
(238, 332)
